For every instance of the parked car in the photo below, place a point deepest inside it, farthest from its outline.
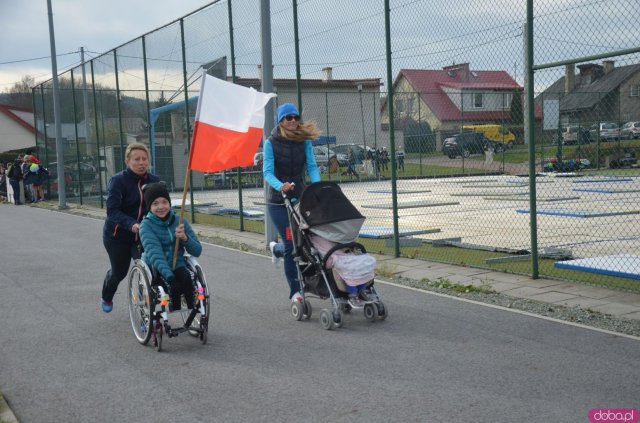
(323, 154)
(630, 130)
(608, 131)
(464, 144)
(627, 159)
(576, 134)
(359, 152)
(499, 136)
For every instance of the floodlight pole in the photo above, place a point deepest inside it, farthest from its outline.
(270, 232)
(62, 198)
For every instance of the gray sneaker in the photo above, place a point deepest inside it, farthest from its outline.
(355, 301)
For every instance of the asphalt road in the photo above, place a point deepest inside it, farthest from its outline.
(434, 359)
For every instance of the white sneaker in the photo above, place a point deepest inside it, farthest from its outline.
(275, 260)
(297, 298)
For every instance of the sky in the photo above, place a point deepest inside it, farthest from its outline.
(98, 26)
(347, 35)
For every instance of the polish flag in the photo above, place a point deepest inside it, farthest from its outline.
(228, 126)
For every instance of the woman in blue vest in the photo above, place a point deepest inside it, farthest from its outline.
(125, 210)
(288, 152)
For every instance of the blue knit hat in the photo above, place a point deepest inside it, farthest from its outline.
(287, 109)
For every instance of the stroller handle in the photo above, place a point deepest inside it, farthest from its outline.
(340, 247)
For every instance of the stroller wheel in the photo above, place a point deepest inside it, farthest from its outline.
(326, 319)
(370, 312)
(382, 311)
(307, 310)
(296, 310)
(346, 308)
(337, 318)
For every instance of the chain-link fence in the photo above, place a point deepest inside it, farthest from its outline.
(455, 158)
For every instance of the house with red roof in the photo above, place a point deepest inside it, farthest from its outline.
(17, 131)
(453, 96)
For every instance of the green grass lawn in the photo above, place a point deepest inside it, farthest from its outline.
(520, 154)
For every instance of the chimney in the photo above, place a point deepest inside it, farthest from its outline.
(569, 78)
(608, 66)
(461, 70)
(260, 72)
(589, 72)
(327, 74)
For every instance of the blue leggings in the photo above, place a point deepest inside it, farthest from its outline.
(280, 218)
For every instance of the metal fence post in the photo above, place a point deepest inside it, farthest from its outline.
(529, 125)
(233, 80)
(75, 125)
(95, 116)
(121, 130)
(147, 102)
(186, 113)
(394, 192)
(296, 43)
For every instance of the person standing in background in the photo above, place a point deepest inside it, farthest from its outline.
(15, 179)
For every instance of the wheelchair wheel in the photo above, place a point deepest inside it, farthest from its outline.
(157, 336)
(202, 323)
(141, 303)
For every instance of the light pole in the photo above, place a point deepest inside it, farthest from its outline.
(62, 199)
(364, 139)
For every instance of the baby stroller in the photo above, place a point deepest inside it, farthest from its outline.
(324, 211)
(149, 302)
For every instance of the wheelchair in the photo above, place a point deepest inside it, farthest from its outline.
(149, 305)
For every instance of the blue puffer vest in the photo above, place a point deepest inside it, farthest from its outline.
(289, 161)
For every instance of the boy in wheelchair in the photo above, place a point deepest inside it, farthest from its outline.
(158, 232)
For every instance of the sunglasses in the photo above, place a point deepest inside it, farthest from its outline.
(289, 118)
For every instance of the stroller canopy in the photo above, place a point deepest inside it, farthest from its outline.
(329, 213)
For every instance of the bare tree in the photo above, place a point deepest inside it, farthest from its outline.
(20, 92)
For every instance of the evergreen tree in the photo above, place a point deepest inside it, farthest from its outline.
(418, 137)
(517, 111)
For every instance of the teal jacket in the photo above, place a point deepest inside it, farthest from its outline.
(158, 239)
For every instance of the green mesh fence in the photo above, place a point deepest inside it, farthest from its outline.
(458, 158)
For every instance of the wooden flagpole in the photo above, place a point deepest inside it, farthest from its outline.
(184, 199)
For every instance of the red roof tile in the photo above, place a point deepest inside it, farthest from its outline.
(430, 82)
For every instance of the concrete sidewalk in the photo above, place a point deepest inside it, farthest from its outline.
(561, 293)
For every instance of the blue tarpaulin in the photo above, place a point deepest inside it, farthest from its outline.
(324, 139)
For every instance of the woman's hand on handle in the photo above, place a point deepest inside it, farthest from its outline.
(135, 228)
(286, 187)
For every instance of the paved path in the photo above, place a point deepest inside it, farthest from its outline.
(572, 294)
(434, 359)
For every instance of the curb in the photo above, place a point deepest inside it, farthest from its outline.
(6, 414)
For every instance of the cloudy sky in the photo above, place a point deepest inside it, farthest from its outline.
(347, 35)
(98, 26)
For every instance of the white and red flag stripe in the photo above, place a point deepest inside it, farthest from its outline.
(228, 126)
